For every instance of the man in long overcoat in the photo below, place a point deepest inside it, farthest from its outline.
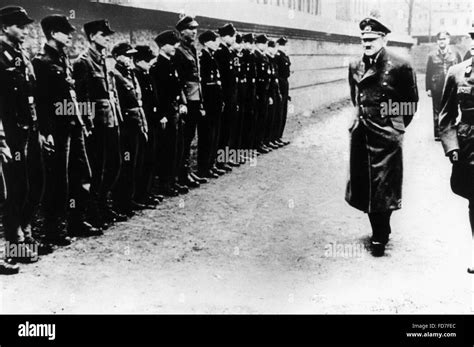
(458, 137)
(384, 94)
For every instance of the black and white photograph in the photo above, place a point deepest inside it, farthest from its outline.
(237, 157)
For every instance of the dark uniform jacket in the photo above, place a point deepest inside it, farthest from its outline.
(210, 80)
(17, 90)
(376, 166)
(54, 70)
(263, 71)
(437, 68)
(224, 58)
(168, 87)
(187, 64)
(249, 66)
(95, 84)
(130, 97)
(284, 64)
(150, 104)
(459, 92)
(468, 55)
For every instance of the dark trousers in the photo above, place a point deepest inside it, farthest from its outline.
(436, 100)
(189, 131)
(170, 150)
(237, 122)
(284, 89)
(228, 119)
(131, 139)
(24, 179)
(262, 118)
(380, 223)
(147, 162)
(208, 137)
(249, 119)
(105, 158)
(68, 176)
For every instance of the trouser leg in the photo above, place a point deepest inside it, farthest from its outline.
(17, 186)
(79, 177)
(36, 177)
(380, 222)
(189, 132)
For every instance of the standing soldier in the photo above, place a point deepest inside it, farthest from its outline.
(376, 165)
(96, 87)
(171, 108)
(262, 97)
(133, 129)
(458, 137)
(20, 151)
(274, 104)
(284, 64)
(438, 64)
(249, 69)
(148, 160)
(68, 177)
(187, 63)
(229, 88)
(213, 105)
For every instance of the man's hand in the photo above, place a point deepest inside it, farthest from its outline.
(270, 101)
(47, 143)
(454, 156)
(428, 93)
(5, 154)
(183, 110)
(163, 122)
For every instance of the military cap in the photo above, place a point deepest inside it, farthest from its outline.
(250, 38)
(227, 30)
(282, 41)
(143, 53)
(187, 22)
(271, 43)
(238, 38)
(93, 27)
(123, 48)
(207, 36)
(57, 22)
(168, 37)
(14, 15)
(372, 28)
(262, 38)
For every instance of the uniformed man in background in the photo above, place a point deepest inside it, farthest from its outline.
(376, 163)
(68, 177)
(235, 142)
(437, 67)
(187, 63)
(249, 69)
(148, 161)
(284, 64)
(133, 129)
(225, 61)
(213, 105)
(458, 137)
(95, 85)
(171, 109)
(274, 101)
(262, 97)
(20, 151)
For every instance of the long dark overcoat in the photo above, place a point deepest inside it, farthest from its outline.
(385, 98)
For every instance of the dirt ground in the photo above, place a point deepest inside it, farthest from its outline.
(275, 237)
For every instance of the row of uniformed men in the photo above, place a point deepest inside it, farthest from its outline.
(87, 142)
